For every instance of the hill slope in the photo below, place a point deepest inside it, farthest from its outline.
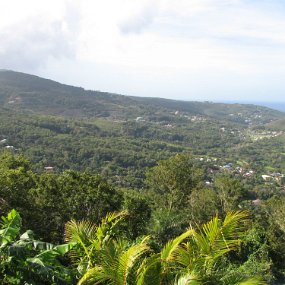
(28, 92)
(120, 136)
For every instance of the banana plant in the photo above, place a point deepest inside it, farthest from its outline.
(25, 260)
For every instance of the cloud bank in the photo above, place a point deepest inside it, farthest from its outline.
(30, 43)
(190, 49)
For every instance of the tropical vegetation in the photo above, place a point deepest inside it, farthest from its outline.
(99, 188)
(100, 254)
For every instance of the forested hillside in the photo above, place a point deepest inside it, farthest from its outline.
(118, 136)
(21, 91)
(165, 168)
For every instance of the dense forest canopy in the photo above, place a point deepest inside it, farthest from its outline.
(163, 168)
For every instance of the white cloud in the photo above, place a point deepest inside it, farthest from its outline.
(149, 38)
(140, 19)
(191, 33)
(33, 38)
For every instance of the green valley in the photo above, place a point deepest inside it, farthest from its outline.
(101, 188)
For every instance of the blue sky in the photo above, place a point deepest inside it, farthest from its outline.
(186, 49)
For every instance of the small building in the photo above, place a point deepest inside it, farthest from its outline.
(266, 177)
(256, 202)
(9, 147)
(49, 168)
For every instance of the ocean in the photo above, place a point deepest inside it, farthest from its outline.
(280, 106)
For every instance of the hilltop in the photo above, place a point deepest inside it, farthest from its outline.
(26, 92)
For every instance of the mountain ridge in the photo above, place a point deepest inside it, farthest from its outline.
(33, 93)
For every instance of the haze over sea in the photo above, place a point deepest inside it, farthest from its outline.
(274, 105)
(280, 106)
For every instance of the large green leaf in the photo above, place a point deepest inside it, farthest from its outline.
(10, 227)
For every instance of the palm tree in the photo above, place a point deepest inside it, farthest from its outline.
(101, 256)
(116, 264)
(195, 257)
(89, 240)
(161, 268)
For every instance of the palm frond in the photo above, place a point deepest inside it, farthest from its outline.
(185, 256)
(252, 281)
(234, 224)
(216, 238)
(167, 253)
(156, 267)
(88, 238)
(95, 275)
(150, 268)
(128, 259)
(80, 235)
(81, 232)
(115, 266)
(106, 227)
(202, 252)
(187, 280)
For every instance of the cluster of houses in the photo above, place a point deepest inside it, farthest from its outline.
(191, 118)
(177, 113)
(247, 118)
(275, 176)
(229, 168)
(265, 134)
(244, 172)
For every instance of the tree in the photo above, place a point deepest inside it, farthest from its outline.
(230, 192)
(16, 181)
(275, 208)
(139, 214)
(202, 205)
(91, 196)
(71, 195)
(173, 180)
(273, 222)
(170, 184)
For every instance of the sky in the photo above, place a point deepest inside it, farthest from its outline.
(216, 50)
